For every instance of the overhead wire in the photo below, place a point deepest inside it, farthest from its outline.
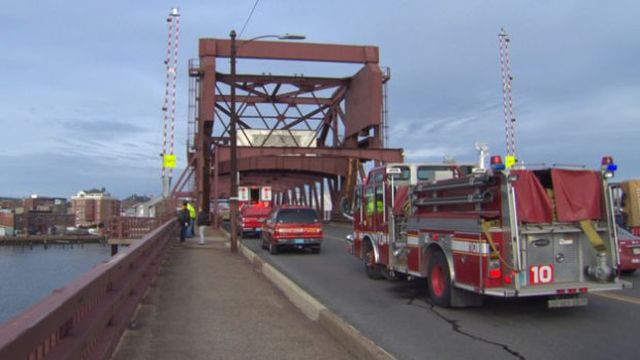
(248, 17)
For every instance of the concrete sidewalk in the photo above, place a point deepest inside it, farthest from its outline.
(210, 304)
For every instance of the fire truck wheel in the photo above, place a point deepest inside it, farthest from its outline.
(439, 280)
(628, 271)
(273, 249)
(315, 250)
(373, 270)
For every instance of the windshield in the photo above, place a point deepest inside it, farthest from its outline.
(304, 216)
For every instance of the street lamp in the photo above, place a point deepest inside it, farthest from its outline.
(233, 170)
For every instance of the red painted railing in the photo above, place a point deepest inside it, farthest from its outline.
(130, 227)
(85, 319)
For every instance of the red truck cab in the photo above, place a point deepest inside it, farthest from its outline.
(251, 219)
(292, 227)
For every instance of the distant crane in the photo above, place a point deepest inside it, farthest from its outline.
(169, 105)
(509, 116)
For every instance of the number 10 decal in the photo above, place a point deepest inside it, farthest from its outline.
(540, 274)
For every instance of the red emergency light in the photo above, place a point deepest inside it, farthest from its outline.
(606, 160)
(496, 163)
(608, 166)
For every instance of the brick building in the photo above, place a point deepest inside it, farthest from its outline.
(93, 207)
(35, 222)
(35, 215)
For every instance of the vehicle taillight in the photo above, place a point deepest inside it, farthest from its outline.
(494, 269)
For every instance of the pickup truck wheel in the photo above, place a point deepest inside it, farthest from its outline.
(273, 249)
(373, 270)
(439, 280)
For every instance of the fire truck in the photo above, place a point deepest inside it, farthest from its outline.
(473, 230)
(255, 204)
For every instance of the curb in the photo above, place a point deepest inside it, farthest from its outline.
(353, 340)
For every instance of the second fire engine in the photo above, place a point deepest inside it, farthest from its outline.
(473, 231)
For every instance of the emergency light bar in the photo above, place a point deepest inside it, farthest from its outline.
(608, 167)
(496, 163)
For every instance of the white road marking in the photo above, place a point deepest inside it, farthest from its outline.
(619, 297)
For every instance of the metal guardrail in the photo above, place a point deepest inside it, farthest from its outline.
(85, 319)
(129, 227)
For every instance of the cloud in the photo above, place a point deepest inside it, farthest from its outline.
(83, 107)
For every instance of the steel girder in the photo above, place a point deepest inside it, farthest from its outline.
(340, 118)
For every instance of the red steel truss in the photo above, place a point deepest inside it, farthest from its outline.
(294, 131)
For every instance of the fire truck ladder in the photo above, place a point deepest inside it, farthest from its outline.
(169, 104)
(476, 196)
(507, 99)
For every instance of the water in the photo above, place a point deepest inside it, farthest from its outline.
(27, 276)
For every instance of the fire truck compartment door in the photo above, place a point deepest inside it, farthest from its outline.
(556, 253)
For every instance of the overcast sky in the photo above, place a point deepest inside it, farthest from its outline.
(82, 82)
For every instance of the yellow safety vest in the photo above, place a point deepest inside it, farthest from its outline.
(192, 211)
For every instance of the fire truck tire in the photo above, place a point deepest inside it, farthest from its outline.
(439, 280)
(373, 270)
(628, 271)
(273, 248)
(315, 249)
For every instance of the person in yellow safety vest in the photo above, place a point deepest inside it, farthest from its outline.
(192, 218)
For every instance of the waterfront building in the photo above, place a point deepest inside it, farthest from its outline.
(94, 207)
(36, 215)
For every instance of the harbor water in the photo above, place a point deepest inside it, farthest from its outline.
(28, 274)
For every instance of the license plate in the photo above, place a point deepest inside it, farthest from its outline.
(636, 251)
(298, 241)
(567, 302)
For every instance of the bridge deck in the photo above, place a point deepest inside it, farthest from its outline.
(210, 304)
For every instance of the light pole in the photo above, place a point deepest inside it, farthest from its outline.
(233, 162)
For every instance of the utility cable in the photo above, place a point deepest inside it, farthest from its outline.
(248, 18)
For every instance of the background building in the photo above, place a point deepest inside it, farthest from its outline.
(35, 215)
(129, 205)
(93, 207)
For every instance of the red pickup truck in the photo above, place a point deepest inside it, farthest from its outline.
(298, 228)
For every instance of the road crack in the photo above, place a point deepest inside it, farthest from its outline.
(455, 326)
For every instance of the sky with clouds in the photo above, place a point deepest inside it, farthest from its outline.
(82, 82)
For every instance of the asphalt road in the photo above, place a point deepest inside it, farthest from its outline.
(399, 317)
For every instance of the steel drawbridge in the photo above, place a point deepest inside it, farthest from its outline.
(299, 134)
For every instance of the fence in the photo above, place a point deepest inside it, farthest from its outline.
(129, 227)
(85, 319)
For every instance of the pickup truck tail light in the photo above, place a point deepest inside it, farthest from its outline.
(313, 230)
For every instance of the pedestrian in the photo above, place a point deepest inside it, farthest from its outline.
(202, 221)
(192, 219)
(183, 219)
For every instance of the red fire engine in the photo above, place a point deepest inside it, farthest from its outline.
(255, 204)
(474, 232)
